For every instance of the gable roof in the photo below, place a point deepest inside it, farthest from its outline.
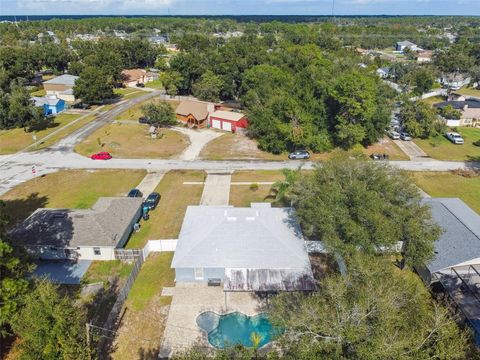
(199, 109)
(133, 74)
(405, 43)
(459, 105)
(259, 237)
(65, 79)
(460, 241)
(102, 225)
(46, 100)
(228, 115)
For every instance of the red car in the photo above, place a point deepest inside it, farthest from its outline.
(101, 156)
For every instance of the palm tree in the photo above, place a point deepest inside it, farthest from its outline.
(281, 188)
(256, 339)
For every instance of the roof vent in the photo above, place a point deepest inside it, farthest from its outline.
(250, 218)
(231, 218)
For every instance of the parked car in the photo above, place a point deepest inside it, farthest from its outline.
(152, 201)
(103, 155)
(379, 156)
(299, 154)
(393, 135)
(455, 138)
(143, 120)
(134, 193)
(405, 136)
(140, 85)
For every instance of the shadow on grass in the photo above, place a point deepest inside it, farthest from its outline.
(17, 210)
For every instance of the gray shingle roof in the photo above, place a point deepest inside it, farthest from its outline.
(65, 79)
(226, 237)
(460, 241)
(102, 225)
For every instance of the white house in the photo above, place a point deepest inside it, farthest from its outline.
(402, 45)
(247, 249)
(77, 234)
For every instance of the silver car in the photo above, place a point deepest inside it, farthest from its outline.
(405, 136)
(393, 135)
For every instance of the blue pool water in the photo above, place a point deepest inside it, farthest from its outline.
(235, 328)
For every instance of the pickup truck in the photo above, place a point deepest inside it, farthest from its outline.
(455, 138)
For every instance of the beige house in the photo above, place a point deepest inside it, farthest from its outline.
(61, 86)
(194, 113)
(469, 109)
(425, 56)
(132, 77)
(79, 234)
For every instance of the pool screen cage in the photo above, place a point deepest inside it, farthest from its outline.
(462, 287)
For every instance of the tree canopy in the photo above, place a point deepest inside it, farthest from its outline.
(93, 86)
(354, 205)
(372, 312)
(159, 114)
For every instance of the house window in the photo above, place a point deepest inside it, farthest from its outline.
(96, 251)
(198, 273)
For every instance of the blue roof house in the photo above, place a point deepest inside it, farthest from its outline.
(51, 104)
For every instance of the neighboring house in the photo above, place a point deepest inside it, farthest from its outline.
(228, 120)
(402, 45)
(158, 39)
(61, 86)
(247, 249)
(132, 77)
(90, 234)
(51, 104)
(469, 109)
(424, 56)
(383, 72)
(455, 81)
(194, 113)
(455, 268)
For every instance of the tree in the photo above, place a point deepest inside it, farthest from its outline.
(372, 312)
(356, 117)
(13, 285)
(422, 79)
(420, 119)
(171, 80)
(160, 114)
(449, 112)
(50, 326)
(93, 86)
(208, 87)
(282, 188)
(21, 109)
(352, 205)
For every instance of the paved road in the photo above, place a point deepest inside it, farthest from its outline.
(412, 150)
(14, 170)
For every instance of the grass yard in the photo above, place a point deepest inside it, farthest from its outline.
(166, 220)
(385, 146)
(469, 91)
(40, 92)
(132, 140)
(68, 189)
(103, 271)
(135, 111)
(129, 93)
(441, 148)
(243, 195)
(448, 184)
(14, 140)
(155, 84)
(433, 100)
(141, 329)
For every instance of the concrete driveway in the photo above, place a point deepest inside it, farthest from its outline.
(216, 190)
(198, 140)
(412, 150)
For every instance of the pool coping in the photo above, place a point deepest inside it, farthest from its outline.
(224, 314)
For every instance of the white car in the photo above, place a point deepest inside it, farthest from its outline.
(405, 136)
(455, 138)
(393, 135)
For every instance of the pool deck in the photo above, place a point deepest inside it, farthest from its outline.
(189, 300)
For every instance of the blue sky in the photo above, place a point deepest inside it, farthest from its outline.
(239, 7)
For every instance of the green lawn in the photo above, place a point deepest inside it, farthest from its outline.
(14, 140)
(441, 148)
(445, 184)
(40, 92)
(156, 84)
(68, 189)
(103, 271)
(469, 91)
(433, 100)
(154, 275)
(129, 93)
(166, 220)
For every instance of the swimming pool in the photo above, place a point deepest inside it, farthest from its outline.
(235, 328)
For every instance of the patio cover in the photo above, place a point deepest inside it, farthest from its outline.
(268, 280)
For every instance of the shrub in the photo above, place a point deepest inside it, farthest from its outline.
(254, 187)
